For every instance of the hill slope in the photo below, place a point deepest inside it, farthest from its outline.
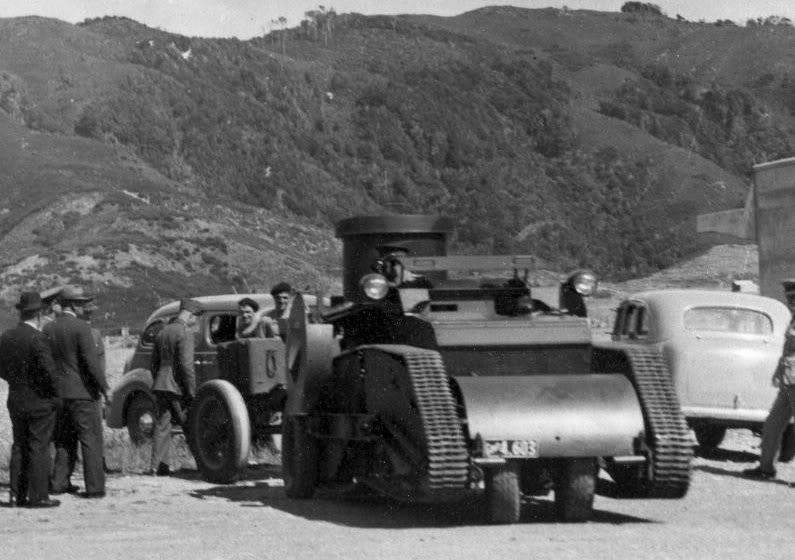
(151, 164)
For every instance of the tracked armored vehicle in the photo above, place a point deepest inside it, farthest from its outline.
(431, 388)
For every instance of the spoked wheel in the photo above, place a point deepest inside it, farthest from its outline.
(574, 489)
(140, 418)
(300, 452)
(709, 437)
(503, 499)
(219, 431)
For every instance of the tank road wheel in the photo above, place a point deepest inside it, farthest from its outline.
(574, 489)
(219, 431)
(709, 437)
(299, 458)
(503, 498)
(140, 418)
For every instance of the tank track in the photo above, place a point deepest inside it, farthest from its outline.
(669, 440)
(448, 460)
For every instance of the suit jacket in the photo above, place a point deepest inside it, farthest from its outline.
(172, 360)
(27, 365)
(80, 374)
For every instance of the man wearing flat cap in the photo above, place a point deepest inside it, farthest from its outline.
(28, 367)
(81, 384)
(174, 380)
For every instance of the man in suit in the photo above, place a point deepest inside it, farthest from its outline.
(174, 380)
(81, 384)
(27, 365)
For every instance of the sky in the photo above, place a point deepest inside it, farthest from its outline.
(248, 18)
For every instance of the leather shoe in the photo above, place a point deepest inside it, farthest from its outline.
(93, 495)
(759, 473)
(71, 489)
(45, 503)
(16, 502)
(162, 470)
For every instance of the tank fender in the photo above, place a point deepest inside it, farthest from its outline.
(130, 383)
(562, 415)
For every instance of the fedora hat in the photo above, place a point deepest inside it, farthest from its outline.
(29, 301)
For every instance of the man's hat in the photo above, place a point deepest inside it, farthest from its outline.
(385, 250)
(29, 301)
(191, 305)
(51, 294)
(74, 293)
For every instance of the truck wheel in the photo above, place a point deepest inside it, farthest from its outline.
(300, 452)
(140, 418)
(219, 431)
(503, 498)
(709, 437)
(574, 489)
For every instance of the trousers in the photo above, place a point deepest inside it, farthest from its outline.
(776, 422)
(80, 421)
(29, 467)
(168, 409)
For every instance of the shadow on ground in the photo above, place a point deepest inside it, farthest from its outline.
(738, 474)
(357, 507)
(730, 455)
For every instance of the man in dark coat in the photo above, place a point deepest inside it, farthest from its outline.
(81, 383)
(174, 380)
(27, 365)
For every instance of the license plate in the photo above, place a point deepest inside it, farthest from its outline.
(512, 448)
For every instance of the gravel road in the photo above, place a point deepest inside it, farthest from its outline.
(182, 517)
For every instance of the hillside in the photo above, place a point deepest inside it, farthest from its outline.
(151, 165)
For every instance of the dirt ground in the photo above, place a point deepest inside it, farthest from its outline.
(143, 517)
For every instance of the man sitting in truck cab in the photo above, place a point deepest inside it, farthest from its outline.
(390, 265)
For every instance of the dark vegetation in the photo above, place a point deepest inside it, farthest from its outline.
(478, 117)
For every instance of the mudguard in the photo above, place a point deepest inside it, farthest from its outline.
(562, 415)
(131, 382)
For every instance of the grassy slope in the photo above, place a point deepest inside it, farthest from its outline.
(138, 254)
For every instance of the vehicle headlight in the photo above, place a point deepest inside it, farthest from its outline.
(374, 286)
(584, 282)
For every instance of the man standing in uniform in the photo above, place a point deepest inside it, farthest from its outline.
(27, 365)
(174, 380)
(81, 383)
(780, 413)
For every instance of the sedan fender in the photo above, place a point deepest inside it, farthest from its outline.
(549, 416)
(132, 382)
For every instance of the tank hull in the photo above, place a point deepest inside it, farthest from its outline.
(554, 415)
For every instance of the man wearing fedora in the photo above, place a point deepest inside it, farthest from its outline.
(174, 380)
(81, 384)
(27, 365)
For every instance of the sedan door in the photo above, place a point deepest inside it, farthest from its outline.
(729, 356)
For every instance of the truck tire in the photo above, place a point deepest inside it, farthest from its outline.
(574, 489)
(300, 452)
(503, 497)
(219, 431)
(708, 436)
(140, 418)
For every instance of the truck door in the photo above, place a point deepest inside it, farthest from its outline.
(217, 327)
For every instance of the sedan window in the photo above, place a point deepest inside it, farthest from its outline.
(728, 320)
